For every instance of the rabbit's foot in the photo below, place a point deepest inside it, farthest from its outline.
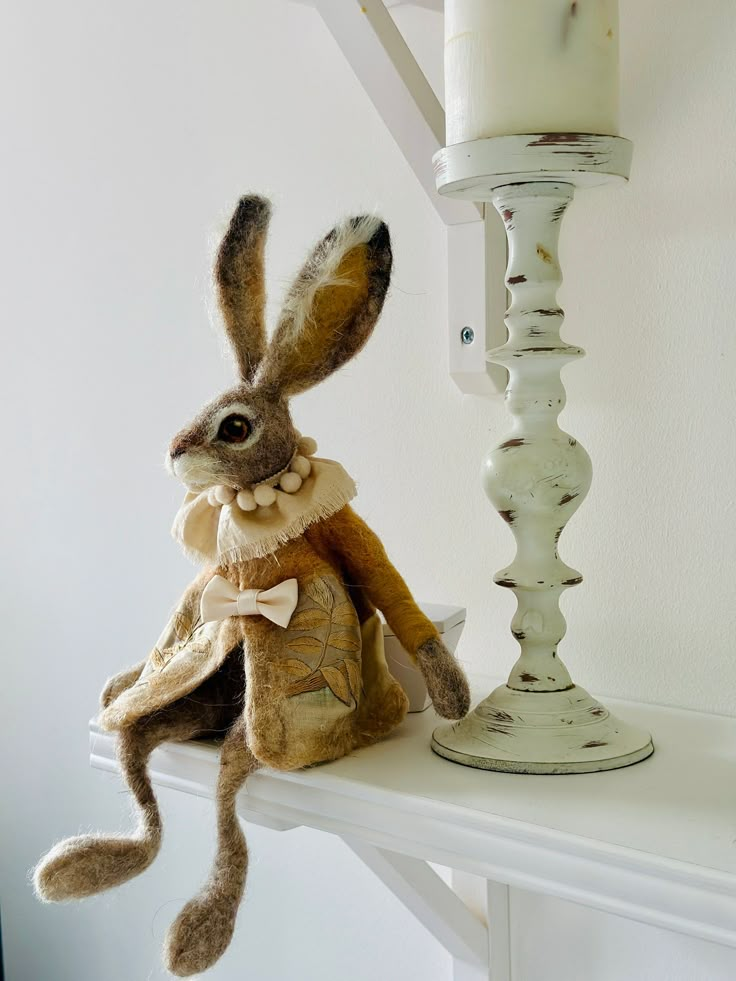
(446, 683)
(88, 864)
(200, 934)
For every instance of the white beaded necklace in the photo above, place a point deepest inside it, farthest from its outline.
(289, 480)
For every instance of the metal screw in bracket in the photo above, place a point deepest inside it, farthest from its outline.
(467, 335)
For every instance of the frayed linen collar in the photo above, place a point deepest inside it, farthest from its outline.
(224, 533)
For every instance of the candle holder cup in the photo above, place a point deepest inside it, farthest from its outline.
(538, 475)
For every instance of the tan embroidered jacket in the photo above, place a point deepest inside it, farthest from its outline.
(316, 689)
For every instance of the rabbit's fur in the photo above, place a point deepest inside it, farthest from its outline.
(238, 678)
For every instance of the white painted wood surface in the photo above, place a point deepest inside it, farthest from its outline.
(491, 902)
(396, 85)
(426, 895)
(536, 477)
(498, 905)
(476, 254)
(655, 842)
(472, 171)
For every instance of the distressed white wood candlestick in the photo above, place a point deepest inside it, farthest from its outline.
(538, 475)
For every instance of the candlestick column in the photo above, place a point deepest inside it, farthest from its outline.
(538, 475)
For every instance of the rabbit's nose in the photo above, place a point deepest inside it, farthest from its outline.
(187, 439)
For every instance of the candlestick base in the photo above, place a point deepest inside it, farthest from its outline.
(542, 732)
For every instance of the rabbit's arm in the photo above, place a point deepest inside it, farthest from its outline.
(366, 564)
(364, 561)
(181, 621)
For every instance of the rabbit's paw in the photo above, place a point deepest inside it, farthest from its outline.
(446, 682)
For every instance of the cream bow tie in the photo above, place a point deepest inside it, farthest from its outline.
(221, 599)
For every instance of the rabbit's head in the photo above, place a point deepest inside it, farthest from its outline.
(246, 435)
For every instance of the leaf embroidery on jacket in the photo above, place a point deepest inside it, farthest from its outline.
(337, 681)
(305, 645)
(343, 641)
(182, 625)
(309, 620)
(344, 615)
(162, 658)
(318, 591)
(329, 652)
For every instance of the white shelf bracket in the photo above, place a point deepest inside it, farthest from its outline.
(437, 907)
(476, 301)
(394, 82)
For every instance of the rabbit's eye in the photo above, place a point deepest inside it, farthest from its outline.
(234, 429)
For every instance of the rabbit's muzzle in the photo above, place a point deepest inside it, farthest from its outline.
(183, 442)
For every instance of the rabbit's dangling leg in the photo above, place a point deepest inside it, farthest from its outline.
(88, 864)
(203, 929)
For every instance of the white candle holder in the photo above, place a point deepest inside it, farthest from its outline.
(537, 477)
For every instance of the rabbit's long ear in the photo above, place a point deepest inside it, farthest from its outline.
(240, 278)
(332, 306)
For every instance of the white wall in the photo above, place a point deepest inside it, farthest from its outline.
(129, 130)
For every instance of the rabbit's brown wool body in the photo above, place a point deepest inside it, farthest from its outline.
(266, 522)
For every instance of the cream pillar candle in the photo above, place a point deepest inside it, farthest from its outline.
(530, 66)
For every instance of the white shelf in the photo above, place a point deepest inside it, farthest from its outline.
(655, 842)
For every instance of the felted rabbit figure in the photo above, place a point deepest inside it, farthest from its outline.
(276, 646)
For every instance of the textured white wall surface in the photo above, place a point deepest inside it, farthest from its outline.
(128, 132)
